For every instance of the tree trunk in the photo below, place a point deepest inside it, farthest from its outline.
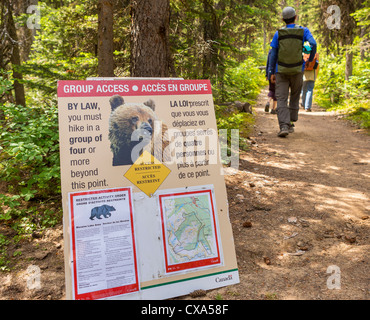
(362, 49)
(210, 34)
(25, 33)
(264, 39)
(298, 12)
(349, 64)
(105, 38)
(20, 98)
(349, 56)
(150, 51)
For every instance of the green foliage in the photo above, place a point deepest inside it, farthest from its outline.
(271, 296)
(331, 73)
(5, 84)
(11, 204)
(63, 48)
(361, 114)
(219, 297)
(4, 262)
(29, 163)
(363, 15)
(351, 97)
(332, 91)
(30, 149)
(237, 27)
(243, 82)
(227, 118)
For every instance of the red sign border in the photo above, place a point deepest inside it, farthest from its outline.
(110, 87)
(106, 292)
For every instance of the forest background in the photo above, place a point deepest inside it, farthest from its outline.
(226, 41)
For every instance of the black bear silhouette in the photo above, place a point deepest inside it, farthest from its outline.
(103, 210)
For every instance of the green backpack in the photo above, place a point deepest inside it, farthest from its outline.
(290, 59)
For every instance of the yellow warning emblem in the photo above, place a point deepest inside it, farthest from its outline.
(147, 173)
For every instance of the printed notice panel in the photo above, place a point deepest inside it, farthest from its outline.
(103, 244)
(189, 229)
(154, 144)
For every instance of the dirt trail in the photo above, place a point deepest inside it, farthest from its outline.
(298, 205)
(307, 194)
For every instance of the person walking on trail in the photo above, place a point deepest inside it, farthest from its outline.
(271, 95)
(311, 72)
(286, 67)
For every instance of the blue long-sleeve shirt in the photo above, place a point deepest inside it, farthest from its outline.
(267, 64)
(272, 63)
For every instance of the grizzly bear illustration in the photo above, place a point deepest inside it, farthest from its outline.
(103, 210)
(134, 127)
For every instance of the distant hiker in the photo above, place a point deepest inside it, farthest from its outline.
(271, 94)
(311, 72)
(286, 67)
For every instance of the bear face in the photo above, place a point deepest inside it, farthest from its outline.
(130, 124)
(127, 118)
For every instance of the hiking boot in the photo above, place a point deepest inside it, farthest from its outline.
(284, 131)
(291, 128)
(273, 111)
(308, 110)
(267, 107)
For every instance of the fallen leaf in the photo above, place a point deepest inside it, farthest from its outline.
(292, 220)
(247, 224)
(291, 236)
(297, 253)
(350, 239)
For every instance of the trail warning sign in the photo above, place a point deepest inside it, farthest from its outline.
(144, 198)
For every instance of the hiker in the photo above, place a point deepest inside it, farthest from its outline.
(286, 68)
(271, 94)
(311, 72)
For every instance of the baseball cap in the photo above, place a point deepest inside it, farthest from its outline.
(288, 13)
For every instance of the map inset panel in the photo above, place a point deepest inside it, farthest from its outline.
(189, 230)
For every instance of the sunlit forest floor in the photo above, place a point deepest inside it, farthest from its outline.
(300, 205)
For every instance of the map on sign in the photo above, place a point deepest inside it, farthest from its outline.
(189, 230)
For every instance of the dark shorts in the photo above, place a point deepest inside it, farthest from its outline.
(272, 90)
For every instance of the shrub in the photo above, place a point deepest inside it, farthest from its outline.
(30, 150)
(349, 97)
(242, 82)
